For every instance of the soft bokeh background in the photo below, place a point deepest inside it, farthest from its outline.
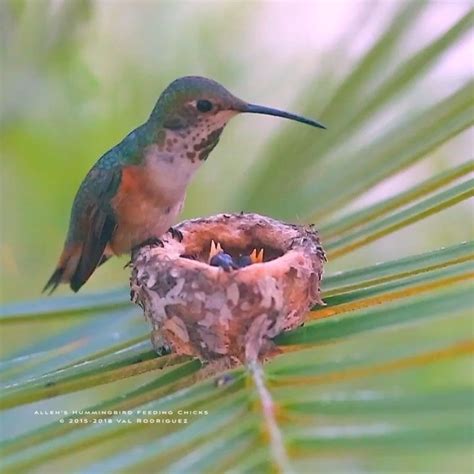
(77, 76)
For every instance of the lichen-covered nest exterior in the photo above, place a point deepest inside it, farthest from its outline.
(205, 311)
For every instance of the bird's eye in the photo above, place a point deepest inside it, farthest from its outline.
(204, 105)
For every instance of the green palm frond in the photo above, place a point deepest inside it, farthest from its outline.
(381, 227)
(349, 221)
(375, 380)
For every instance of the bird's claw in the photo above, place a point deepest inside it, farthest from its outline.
(151, 242)
(176, 234)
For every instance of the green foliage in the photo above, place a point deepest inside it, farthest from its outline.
(376, 380)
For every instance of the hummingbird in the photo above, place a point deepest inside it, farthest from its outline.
(135, 191)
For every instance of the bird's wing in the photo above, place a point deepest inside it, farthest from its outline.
(98, 221)
(91, 227)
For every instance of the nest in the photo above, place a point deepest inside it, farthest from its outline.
(213, 313)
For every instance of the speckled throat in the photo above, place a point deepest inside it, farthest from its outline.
(193, 145)
(206, 145)
(197, 141)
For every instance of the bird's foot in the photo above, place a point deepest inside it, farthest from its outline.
(176, 234)
(151, 242)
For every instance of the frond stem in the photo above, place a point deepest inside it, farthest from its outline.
(271, 428)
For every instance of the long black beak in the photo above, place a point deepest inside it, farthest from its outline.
(260, 109)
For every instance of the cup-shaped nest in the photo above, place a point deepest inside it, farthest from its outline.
(212, 312)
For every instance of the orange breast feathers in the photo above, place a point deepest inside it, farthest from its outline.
(140, 209)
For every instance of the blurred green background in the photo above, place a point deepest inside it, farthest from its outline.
(393, 83)
(77, 76)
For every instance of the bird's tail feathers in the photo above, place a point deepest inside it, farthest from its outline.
(54, 280)
(66, 269)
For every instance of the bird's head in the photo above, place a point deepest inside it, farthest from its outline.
(196, 102)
